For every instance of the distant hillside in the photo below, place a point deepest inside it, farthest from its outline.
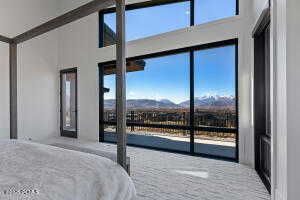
(211, 101)
(142, 103)
(200, 102)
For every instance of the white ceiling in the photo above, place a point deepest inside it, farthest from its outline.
(19, 16)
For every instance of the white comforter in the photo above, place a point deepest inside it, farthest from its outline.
(30, 171)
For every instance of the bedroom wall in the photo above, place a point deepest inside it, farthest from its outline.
(37, 73)
(38, 88)
(287, 48)
(4, 91)
(78, 47)
(293, 96)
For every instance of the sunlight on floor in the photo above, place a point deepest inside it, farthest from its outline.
(200, 174)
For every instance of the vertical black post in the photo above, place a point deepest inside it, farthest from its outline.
(237, 11)
(192, 12)
(192, 84)
(60, 102)
(192, 103)
(13, 90)
(237, 97)
(121, 84)
(101, 104)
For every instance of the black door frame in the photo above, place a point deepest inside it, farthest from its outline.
(64, 133)
(191, 126)
(259, 90)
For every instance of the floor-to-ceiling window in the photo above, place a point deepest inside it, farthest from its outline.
(215, 101)
(183, 100)
(155, 115)
(160, 16)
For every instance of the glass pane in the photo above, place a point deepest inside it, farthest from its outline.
(145, 22)
(69, 101)
(210, 10)
(110, 102)
(157, 102)
(215, 101)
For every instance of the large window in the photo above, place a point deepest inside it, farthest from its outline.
(210, 10)
(146, 22)
(154, 101)
(183, 100)
(215, 100)
(160, 16)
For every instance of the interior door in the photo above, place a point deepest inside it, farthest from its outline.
(68, 80)
(263, 132)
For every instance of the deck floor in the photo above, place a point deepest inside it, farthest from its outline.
(177, 144)
(168, 176)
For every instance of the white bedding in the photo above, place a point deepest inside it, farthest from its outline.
(30, 171)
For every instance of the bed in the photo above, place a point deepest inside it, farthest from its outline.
(32, 171)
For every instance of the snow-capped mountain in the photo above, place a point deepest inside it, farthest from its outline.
(200, 102)
(211, 101)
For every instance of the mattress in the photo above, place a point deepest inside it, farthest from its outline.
(31, 171)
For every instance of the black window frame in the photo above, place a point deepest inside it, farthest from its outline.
(191, 126)
(146, 4)
(65, 133)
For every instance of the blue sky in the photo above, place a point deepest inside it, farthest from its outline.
(168, 77)
(209, 10)
(154, 20)
(145, 22)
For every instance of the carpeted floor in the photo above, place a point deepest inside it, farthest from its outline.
(169, 176)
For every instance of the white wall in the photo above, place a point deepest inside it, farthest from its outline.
(286, 64)
(4, 91)
(37, 69)
(293, 96)
(279, 165)
(38, 88)
(78, 47)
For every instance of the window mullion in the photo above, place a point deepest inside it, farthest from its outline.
(192, 102)
(192, 12)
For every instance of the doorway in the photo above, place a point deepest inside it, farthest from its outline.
(262, 115)
(68, 103)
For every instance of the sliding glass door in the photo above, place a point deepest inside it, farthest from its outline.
(68, 102)
(157, 103)
(182, 100)
(215, 101)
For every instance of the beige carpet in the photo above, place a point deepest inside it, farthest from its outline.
(169, 176)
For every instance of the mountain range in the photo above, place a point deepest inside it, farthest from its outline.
(200, 102)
